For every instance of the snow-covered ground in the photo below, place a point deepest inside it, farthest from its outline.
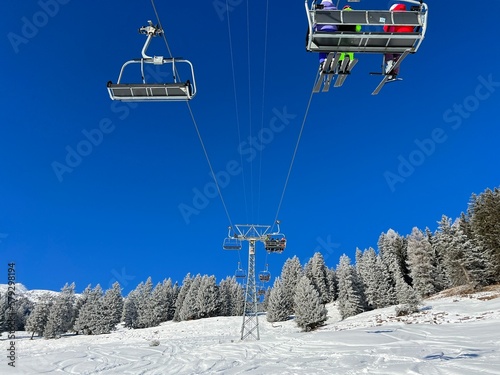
(450, 336)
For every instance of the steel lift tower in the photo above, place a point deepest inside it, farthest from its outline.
(274, 242)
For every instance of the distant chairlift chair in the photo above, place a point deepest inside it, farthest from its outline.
(142, 92)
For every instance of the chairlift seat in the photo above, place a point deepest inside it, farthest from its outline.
(141, 92)
(265, 276)
(231, 244)
(365, 41)
(275, 245)
(176, 90)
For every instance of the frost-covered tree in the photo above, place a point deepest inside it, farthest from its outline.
(407, 297)
(421, 263)
(484, 218)
(89, 316)
(225, 299)
(130, 315)
(387, 290)
(113, 302)
(392, 249)
(291, 273)
(331, 277)
(3, 311)
(145, 315)
(265, 302)
(190, 308)
(111, 308)
(277, 299)
(450, 243)
(208, 298)
(186, 285)
(316, 270)
(351, 299)
(62, 314)
(38, 318)
(310, 312)
(162, 299)
(376, 284)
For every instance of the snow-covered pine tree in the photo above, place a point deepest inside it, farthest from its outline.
(331, 277)
(175, 292)
(89, 316)
(22, 307)
(351, 300)
(3, 310)
(237, 299)
(387, 291)
(392, 249)
(449, 242)
(421, 263)
(111, 308)
(371, 277)
(265, 301)
(277, 300)
(208, 298)
(225, 296)
(484, 218)
(190, 308)
(186, 285)
(441, 281)
(407, 297)
(315, 269)
(291, 273)
(145, 315)
(130, 315)
(161, 301)
(114, 298)
(38, 318)
(62, 314)
(310, 312)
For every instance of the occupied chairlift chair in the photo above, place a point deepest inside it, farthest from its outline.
(142, 92)
(265, 275)
(275, 242)
(377, 42)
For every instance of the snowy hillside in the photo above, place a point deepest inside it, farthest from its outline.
(450, 335)
(33, 295)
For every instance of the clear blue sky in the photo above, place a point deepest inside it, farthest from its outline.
(116, 214)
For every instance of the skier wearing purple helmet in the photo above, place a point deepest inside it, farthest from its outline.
(326, 5)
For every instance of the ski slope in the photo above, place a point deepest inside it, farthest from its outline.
(455, 335)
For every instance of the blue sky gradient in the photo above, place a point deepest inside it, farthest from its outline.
(364, 164)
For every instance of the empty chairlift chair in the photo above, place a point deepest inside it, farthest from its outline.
(240, 272)
(158, 91)
(231, 242)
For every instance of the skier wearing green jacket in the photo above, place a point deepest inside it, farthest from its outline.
(349, 28)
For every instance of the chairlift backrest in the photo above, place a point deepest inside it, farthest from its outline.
(231, 243)
(365, 41)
